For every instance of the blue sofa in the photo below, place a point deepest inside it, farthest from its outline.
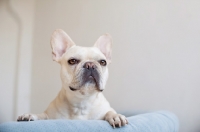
(161, 121)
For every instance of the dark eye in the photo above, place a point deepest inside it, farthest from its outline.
(73, 61)
(102, 62)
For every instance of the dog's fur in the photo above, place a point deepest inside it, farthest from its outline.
(84, 74)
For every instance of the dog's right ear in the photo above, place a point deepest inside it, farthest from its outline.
(60, 43)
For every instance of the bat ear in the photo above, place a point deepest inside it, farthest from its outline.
(104, 44)
(60, 43)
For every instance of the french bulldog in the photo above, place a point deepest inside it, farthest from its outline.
(84, 73)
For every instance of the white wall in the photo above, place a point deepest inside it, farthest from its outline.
(8, 29)
(16, 31)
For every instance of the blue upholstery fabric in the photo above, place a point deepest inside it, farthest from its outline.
(161, 121)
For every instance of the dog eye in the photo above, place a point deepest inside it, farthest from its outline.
(102, 62)
(73, 61)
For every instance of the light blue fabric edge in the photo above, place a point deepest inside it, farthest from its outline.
(161, 121)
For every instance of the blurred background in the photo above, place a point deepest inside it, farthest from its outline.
(155, 62)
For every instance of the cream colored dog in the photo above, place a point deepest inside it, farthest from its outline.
(84, 73)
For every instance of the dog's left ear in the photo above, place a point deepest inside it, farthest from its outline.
(104, 44)
(60, 43)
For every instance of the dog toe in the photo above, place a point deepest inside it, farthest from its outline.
(25, 117)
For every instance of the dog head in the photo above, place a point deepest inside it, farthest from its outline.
(83, 69)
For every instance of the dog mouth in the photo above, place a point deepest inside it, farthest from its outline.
(73, 89)
(89, 79)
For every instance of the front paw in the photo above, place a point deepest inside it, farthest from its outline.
(116, 120)
(26, 117)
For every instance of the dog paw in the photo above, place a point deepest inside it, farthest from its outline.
(27, 117)
(115, 120)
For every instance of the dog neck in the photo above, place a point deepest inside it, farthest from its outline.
(76, 98)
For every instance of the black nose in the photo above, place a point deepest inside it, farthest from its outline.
(89, 66)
